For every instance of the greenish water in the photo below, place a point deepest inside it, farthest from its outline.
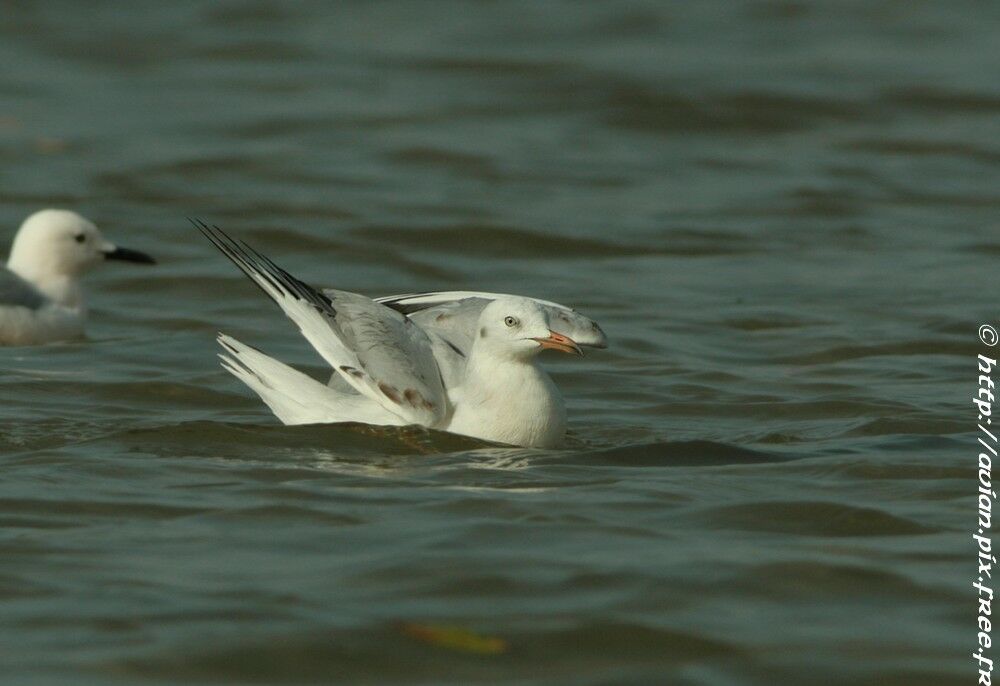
(783, 214)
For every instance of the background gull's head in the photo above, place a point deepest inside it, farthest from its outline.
(60, 243)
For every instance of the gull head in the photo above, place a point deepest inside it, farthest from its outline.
(519, 329)
(60, 243)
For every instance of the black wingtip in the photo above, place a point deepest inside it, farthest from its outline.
(258, 266)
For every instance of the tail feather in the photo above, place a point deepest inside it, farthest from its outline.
(294, 397)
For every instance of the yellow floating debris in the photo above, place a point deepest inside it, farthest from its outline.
(454, 638)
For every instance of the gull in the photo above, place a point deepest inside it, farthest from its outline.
(41, 299)
(458, 361)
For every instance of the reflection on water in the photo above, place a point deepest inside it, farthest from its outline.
(775, 209)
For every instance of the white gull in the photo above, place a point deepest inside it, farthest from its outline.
(459, 361)
(41, 299)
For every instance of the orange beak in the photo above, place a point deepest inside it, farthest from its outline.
(557, 341)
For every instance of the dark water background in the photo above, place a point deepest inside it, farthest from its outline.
(784, 214)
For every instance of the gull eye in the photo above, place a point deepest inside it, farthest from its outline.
(510, 321)
(80, 237)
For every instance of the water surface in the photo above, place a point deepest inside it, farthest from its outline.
(782, 213)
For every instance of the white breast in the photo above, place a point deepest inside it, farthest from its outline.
(514, 403)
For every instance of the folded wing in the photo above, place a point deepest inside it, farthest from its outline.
(375, 349)
(16, 292)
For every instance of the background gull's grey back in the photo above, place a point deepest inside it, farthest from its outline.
(784, 214)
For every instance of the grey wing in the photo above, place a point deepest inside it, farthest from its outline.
(394, 352)
(375, 349)
(16, 292)
(449, 327)
(454, 315)
(452, 320)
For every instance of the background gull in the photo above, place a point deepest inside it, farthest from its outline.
(394, 371)
(41, 299)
